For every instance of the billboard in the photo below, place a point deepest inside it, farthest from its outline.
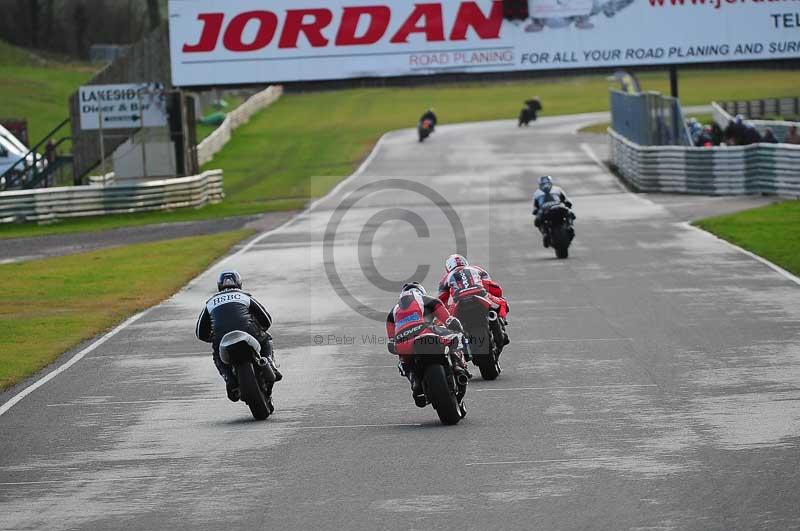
(216, 42)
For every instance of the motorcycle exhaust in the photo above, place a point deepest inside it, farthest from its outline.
(462, 379)
(492, 315)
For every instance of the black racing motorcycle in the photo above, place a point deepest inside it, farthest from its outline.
(557, 222)
(444, 382)
(529, 112)
(424, 129)
(242, 352)
(483, 329)
(526, 116)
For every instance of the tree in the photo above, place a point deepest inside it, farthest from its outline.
(80, 18)
(154, 13)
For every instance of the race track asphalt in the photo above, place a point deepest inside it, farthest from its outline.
(651, 382)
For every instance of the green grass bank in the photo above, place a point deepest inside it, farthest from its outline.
(37, 88)
(772, 232)
(73, 298)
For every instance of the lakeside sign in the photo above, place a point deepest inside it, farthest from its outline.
(126, 106)
(217, 42)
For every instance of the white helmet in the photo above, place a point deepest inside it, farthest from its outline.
(455, 261)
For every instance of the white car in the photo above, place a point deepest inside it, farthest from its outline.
(12, 151)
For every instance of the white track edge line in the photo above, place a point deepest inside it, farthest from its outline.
(72, 361)
(14, 400)
(778, 269)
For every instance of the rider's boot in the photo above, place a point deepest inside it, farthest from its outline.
(416, 389)
(231, 382)
(231, 386)
(268, 352)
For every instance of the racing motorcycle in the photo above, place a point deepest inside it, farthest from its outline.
(444, 382)
(424, 129)
(242, 352)
(528, 113)
(483, 329)
(557, 223)
(526, 116)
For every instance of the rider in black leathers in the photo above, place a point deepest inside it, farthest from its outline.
(235, 310)
(429, 115)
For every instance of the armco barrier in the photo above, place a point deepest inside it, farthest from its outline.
(212, 145)
(69, 202)
(758, 168)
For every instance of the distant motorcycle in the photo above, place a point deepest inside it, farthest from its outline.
(526, 116)
(528, 113)
(443, 384)
(424, 129)
(483, 329)
(557, 223)
(243, 352)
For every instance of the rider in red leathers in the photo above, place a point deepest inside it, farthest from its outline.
(493, 290)
(416, 314)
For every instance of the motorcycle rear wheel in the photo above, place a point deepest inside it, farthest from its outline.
(488, 367)
(251, 392)
(441, 396)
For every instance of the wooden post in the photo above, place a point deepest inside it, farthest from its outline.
(673, 81)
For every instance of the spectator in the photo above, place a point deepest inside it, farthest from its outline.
(769, 137)
(792, 137)
(735, 132)
(695, 130)
(706, 137)
(751, 135)
(717, 135)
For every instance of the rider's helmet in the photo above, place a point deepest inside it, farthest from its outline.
(229, 280)
(455, 261)
(545, 183)
(414, 286)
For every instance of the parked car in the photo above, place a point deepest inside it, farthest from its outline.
(12, 150)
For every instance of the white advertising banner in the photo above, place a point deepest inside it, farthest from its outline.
(217, 42)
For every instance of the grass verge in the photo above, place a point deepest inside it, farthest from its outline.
(304, 144)
(37, 89)
(772, 232)
(73, 298)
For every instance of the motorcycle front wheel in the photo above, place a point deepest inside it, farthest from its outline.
(560, 242)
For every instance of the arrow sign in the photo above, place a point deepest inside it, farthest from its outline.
(116, 106)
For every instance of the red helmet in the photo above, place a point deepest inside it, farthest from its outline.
(454, 262)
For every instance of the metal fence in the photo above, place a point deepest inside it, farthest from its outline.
(78, 201)
(779, 128)
(766, 108)
(758, 168)
(649, 119)
(237, 117)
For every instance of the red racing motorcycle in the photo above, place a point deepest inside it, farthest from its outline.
(482, 328)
